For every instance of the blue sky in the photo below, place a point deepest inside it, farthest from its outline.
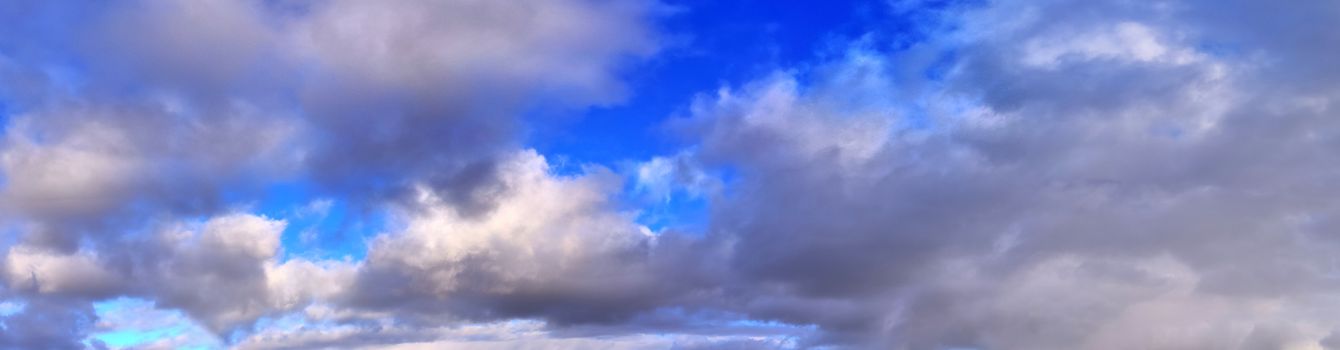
(668, 174)
(712, 44)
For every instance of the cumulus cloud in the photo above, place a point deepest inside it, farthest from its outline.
(389, 94)
(132, 119)
(556, 252)
(77, 170)
(1087, 171)
(417, 93)
(553, 248)
(222, 272)
(1029, 175)
(225, 274)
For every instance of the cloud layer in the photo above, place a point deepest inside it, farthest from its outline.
(1011, 175)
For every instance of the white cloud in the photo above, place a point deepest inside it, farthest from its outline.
(1090, 172)
(1087, 174)
(83, 170)
(547, 237)
(53, 273)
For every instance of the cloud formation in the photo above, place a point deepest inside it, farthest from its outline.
(1088, 175)
(131, 119)
(1049, 174)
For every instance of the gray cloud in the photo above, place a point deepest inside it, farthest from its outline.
(1090, 171)
(223, 272)
(132, 117)
(1086, 174)
(370, 99)
(553, 247)
(443, 83)
(83, 170)
(48, 323)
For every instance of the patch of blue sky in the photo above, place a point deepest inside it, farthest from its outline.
(10, 232)
(712, 44)
(679, 212)
(941, 66)
(8, 309)
(11, 308)
(916, 117)
(126, 323)
(680, 209)
(340, 232)
(4, 116)
(663, 200)
(131, 338)
(320, 227)
(1220, 49)
(716, 320)
(69, 78)
(766, 324)
(287, 322)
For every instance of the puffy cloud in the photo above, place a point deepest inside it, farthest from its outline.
(1076, 174)
(415, 93)
(50, 273)
(78, 174)
(223, 272)
(1085, 172)
(369, 98)
(553, 247)
(82, 170)
(556, 251)
(661, 178)
(131, 118)
(217, 274)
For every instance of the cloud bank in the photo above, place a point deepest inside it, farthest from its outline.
(1001, 175)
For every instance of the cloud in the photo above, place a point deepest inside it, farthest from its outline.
(140, 128)
(502, 335)
(74, 171)
(48, 323)
(414, 93)
(222, 272)
(1087, 171)
(553, 247)
(1072, 174)
(180, 103)
(556, 253)
(44, 272)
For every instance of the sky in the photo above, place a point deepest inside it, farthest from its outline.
(670, 174)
